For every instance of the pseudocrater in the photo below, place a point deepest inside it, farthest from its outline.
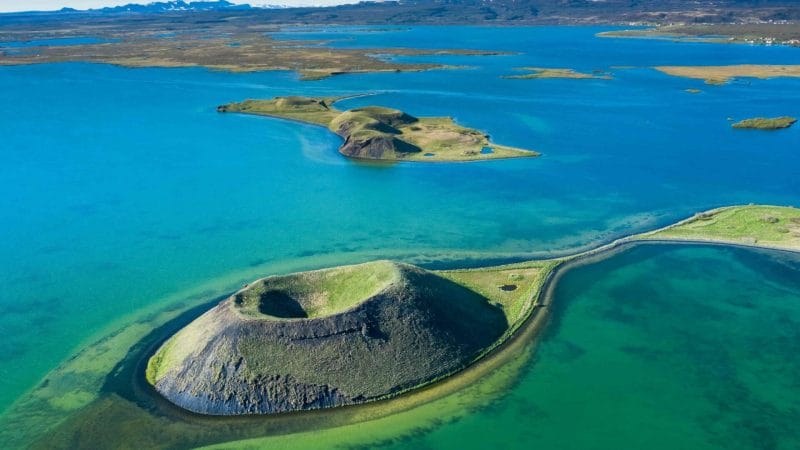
(326, 338)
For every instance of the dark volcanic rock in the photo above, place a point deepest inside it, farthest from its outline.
(372, 133)
(378, 146)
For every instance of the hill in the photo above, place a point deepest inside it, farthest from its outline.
(327, 338)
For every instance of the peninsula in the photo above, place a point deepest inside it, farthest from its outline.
(379, 133)
(355, 334)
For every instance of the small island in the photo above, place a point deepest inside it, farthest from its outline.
(541, 72)
(763, 123)
(355, 334)
(723, 74)
(379, 133)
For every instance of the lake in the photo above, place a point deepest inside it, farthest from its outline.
(125, 193)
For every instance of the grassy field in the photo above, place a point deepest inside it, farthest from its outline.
(513, 287)
(763, 123)
(539, 72)
(387, 134)
(723, 74)
(759, 225)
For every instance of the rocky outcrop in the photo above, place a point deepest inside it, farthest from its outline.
(376, 146)
(415, 329)
(371, 133)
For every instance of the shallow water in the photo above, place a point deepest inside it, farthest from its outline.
(123, 187)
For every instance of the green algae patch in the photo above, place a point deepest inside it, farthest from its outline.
(753, 225)
(72, 400)
(542, 72)
(763, 123)
(379, 133)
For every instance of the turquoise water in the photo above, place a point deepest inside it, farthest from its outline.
(121, 187)
(660, 347)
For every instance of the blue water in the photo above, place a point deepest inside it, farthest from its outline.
(57, 42)
(120, 187)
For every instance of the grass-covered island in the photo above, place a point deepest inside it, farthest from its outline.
(387, 134)
(354, 334)
(763, 123)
